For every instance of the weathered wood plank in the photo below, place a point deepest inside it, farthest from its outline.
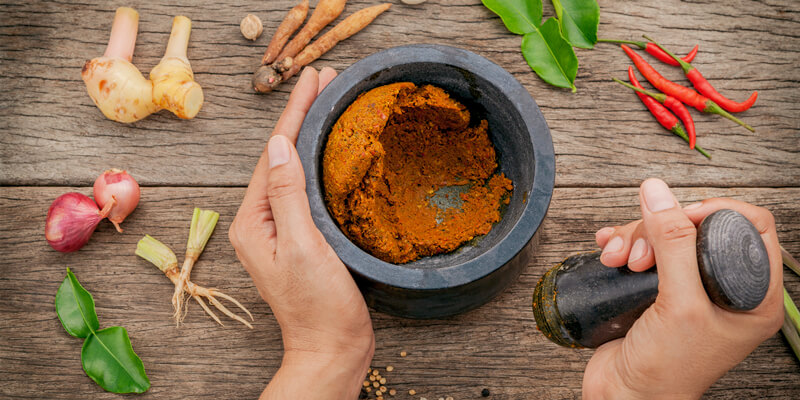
(52, 134)
(496, 346)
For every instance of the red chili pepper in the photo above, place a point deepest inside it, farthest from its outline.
(656, 51)
(680, 92)
(665, 118)
(702, 85)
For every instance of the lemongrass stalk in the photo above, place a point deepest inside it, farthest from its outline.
(790, 261)
(791, 310)
(157, 253)
(791, 323)
(203, 224)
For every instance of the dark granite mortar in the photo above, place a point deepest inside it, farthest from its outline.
(459, 281)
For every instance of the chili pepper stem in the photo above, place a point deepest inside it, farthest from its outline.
(641, 45)
(658, 96)
(714, 108)
(686, 66)
(677, 130)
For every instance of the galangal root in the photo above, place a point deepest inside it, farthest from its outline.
(117, 87)
(122, 93)
(174, 88)
(288, 62)
(164, 258)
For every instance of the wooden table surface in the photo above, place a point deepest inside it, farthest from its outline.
(55, 140)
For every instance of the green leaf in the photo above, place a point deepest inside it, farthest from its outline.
(75, 308)
(109, 360)
(578, 20)
(520, 16)
(550, 55)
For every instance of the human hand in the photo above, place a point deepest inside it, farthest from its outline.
(327, 333)
(683, 343)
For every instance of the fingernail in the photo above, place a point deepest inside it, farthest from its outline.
(614, 245)
(604, 231)
(638, 250)
(693, 206)
(657, 196)
(278, 151)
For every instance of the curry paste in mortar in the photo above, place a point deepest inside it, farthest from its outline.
(390, 152)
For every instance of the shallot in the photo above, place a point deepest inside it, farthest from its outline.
(71, 220)
(117, 186)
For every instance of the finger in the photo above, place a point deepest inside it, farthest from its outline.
(303, 95)
(300, 100)
(642, 256)
(602, 236)
(287, 193)
(326, 75)
(638, 254)
(764, 222)
(673, 237)
(615, 252)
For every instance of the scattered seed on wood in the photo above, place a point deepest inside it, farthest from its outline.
(383, 389)
(251, 27)
(366, 383)
(383, 381)
(449, 398)
(389, 368)
(393, 392)
(372, 378)
(375, 372)
(403, 354)
(376, 384)
(412, 392)
(412, 2)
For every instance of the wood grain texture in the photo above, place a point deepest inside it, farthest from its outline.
(496, 346)
(51, 133)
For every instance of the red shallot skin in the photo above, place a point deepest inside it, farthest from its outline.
(120, 186)
(71, 220)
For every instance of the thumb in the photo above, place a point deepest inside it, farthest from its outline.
(286, 191)
(674, 240)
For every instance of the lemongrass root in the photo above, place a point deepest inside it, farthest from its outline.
(178, 295)
(115, 85)
(207, 310)
(164, 258)
(174, 87)
(324, 13)
(294, 18)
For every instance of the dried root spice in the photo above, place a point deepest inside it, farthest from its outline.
(391, 152)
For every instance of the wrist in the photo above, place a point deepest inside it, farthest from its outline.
(335, 373)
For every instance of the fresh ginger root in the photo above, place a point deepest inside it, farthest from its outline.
(174, 87)
(268, 77)
(115, 85)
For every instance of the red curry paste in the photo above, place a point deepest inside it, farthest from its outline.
(386, 156)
